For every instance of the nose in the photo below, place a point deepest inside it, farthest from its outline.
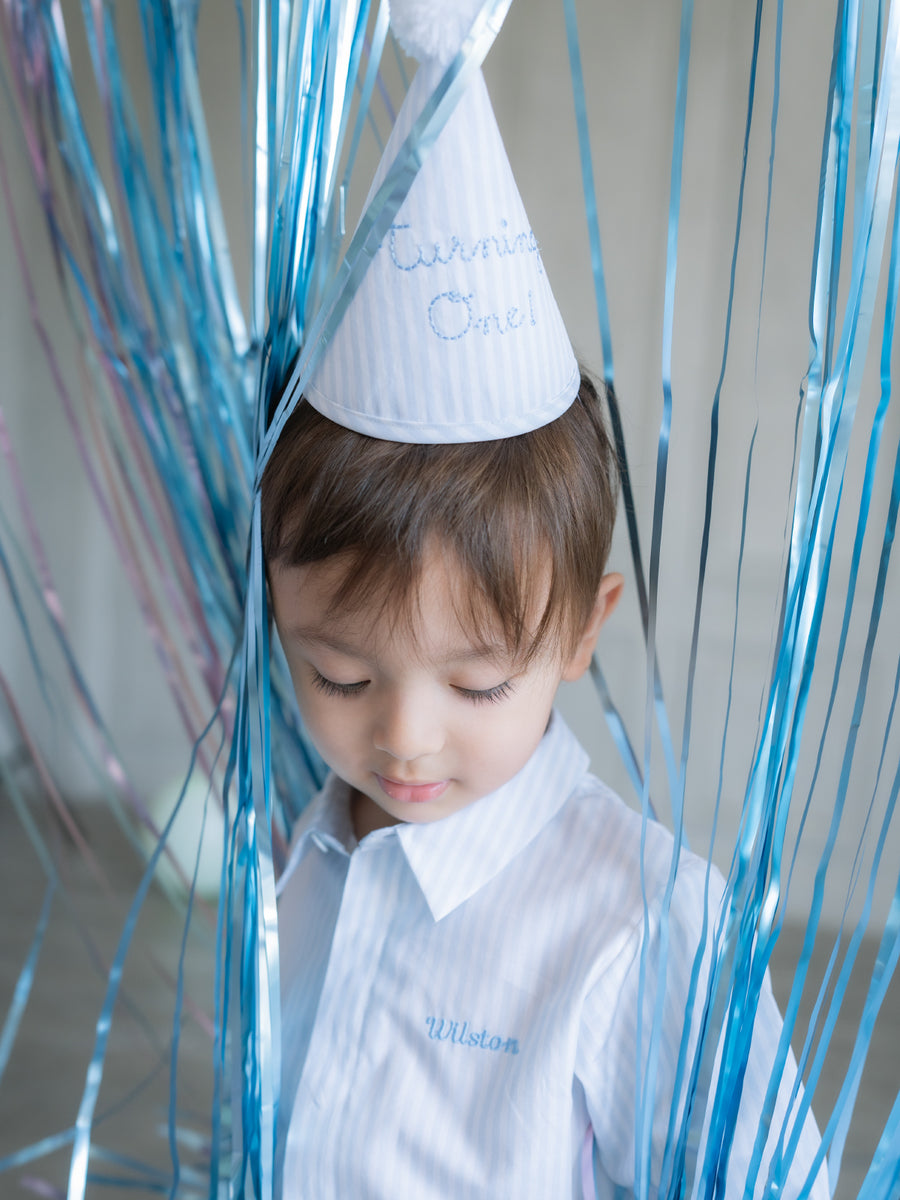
(408, 727)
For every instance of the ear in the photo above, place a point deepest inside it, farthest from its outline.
(608, 594)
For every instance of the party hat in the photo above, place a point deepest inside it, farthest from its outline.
(454, 334)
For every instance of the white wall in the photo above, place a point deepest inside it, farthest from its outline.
(630, 58)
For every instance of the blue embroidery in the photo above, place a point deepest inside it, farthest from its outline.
(452, 315)
(442, 1029)
(407, 254)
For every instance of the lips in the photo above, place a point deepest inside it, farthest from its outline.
(412, 793)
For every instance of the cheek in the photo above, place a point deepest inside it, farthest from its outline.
(318, 715)
(334, 738)
(319, 718)
(506, 739)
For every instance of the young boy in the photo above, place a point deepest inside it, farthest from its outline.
(463, 913)
(474, 931)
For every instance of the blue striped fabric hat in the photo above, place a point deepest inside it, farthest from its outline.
(454, 334)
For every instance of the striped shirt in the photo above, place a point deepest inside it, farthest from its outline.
(459, 998)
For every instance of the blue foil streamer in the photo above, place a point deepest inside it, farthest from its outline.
(81, 1146)
(808, 628)
(614, 721)
(645, 1097)
(22, 989)
(868, 483)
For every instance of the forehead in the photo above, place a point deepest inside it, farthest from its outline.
(440, 616)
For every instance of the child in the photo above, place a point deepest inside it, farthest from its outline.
(470, 923)
(462, 914)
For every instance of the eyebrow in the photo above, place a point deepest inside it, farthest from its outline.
(489, 651)
(315, 637)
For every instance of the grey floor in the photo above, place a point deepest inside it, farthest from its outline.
(41, 1089)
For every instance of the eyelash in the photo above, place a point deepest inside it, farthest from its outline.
(487, 696)
(330, 688)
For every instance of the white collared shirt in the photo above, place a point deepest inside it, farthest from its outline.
(459, 998)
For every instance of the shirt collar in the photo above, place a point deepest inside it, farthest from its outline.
(326, 822)
(454, 857)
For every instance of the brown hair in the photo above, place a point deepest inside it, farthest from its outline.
(507, 509)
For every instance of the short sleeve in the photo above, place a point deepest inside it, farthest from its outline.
(609, 1051)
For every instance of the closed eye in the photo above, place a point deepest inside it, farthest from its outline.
(330, 688)
(487, 695)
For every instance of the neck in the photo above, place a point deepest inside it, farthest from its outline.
(367, 816)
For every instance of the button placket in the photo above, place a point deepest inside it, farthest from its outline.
(367, 907)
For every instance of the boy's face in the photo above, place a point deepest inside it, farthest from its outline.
(420, 717)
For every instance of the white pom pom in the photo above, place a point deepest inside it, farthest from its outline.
(433, 29)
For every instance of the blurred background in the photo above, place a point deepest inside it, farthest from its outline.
(630, 58)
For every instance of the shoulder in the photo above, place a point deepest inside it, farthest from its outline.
(632, 855)
(642, 898)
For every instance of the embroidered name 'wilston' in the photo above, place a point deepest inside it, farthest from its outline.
(442, 1029)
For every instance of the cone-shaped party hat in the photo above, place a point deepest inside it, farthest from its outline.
(454, 334)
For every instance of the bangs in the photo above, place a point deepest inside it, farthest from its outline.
(511, 606)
